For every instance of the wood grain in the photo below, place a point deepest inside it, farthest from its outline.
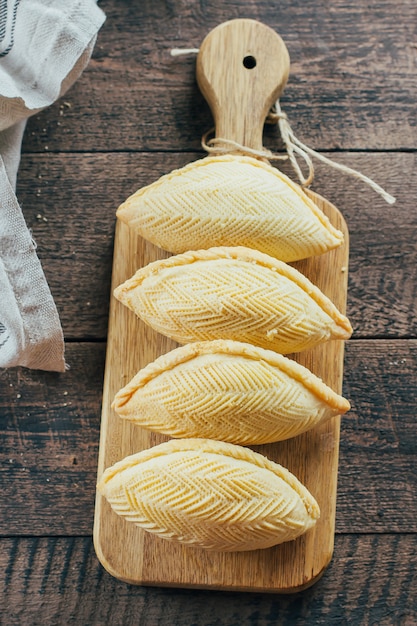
(312, 457)
(49, 429)
(352, 84)
(240, 99)
(58, 581)
(242, 69)
(351, 94)
(70, 200)
(50, 423)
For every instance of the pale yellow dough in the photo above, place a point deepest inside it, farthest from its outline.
(210, 494)
(229, 391)
(230, 200)
(233, 293)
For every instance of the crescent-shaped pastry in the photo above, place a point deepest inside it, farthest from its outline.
(233, 293)
(210, 494)
(230, 200)
(229, 391)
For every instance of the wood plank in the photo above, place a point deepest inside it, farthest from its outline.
(353, 81)
(312, 457)
(353, 86)
(50, 433)
(71, 212)
(371, 580)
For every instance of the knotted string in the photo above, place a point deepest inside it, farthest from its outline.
(292, 144)
(217, 145)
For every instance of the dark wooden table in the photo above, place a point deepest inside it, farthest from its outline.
(135, 114)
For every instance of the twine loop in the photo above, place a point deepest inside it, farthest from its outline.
(293, 146)
(296, 147)
(218, 145)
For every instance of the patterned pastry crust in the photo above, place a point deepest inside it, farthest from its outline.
(210, 494)
(233, 293)
(230, 200)
(229, 391)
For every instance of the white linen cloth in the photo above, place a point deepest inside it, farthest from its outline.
(44, 47)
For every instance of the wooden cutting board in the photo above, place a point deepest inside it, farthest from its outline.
(125, 550)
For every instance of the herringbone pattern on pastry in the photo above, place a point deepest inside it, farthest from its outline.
(229, 391)
(230, 200)
(210, 494)
(233, 293)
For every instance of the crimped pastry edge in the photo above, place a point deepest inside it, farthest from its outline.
(212, 446)
(243, 159)
(190, 351)
(247, 255)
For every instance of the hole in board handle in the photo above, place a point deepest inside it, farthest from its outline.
(249, 62)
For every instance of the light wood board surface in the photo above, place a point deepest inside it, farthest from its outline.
(135, 556)
(97, 145)
(125, 550)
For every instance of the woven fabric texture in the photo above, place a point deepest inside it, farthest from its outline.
(44, 47)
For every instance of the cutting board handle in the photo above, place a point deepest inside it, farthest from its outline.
(242, 68)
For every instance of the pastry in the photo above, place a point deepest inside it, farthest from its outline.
(233, 293)
(210, 494)
(227, 390)
(230, 200)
